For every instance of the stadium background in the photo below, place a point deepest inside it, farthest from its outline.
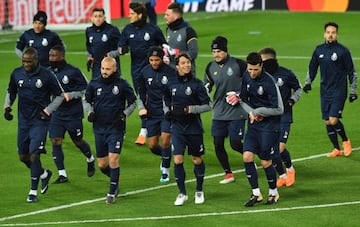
(17, 14)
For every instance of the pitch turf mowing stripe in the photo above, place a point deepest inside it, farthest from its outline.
(165, 186)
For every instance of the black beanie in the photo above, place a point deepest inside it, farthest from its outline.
(156, 51)
(219, 42)
(40, 16)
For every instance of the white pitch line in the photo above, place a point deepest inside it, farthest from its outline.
(137, 192)
(188, 215)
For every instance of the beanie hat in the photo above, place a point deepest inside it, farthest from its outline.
(156, 51)
(40, 16)
(219, 42)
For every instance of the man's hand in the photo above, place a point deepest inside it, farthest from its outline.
(232, 98)
(168, 115)
(89, 64)
(43, 115)
(170, 51)
(291, 102)
(353, 97)
(7, 114)
(307, 88)
(113, 53)
(120, 119)
(91, 117)
(143, 113)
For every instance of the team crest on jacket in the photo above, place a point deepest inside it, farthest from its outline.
(188, 91)
(150, 80)
(280, 82)
(98, 91)
(164, 80)
(104, 38)
(65, 79)
(20, 83)
(334, 57)
(260, 90)
(147, 36)
(179, 38)
(38, 83)
(44, 42)
(115, 90)
(230, 71)
(91, 38)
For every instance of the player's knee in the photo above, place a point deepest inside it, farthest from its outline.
(24, 158)
(34, 157)
(56, 141)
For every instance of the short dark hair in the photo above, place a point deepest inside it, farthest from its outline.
(254, 58)
(268, 51)
(182, 54)
(139, 8)
(59, 47)
(331, 24)
(31, 51)
(176, 8)
(98, 10)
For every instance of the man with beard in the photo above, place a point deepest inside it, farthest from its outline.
(179, 35)
(101, 38)
(336, 67)
(139, 36)
(109, 100)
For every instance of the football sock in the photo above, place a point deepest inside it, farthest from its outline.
(251, 174)
(339, 128)
(58, 156)
(85, 148)
(179, 173)
(114, 179)
(285, 157)
(221, 153)
(143, 130)
(278, 165)
(332, 136)
(33, 192)
(273, 191)
(271, 176)
(199, 171)
(166, 157)
(62, 172)
(256, 191)
(36, 170)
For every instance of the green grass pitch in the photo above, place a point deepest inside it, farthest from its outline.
(326, 192)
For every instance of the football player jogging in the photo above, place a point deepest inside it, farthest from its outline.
(68, 117)
(152, 83)
(186, 98)
(35, 86)
(261, 98)
(290, 89)
(139, 36)
(336, 67)
(38, 37)
(179, 35)
(225, 73)
(101, 37)
(109, 100)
